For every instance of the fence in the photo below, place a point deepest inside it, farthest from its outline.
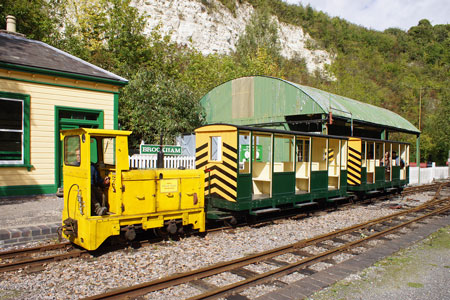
(427, 175)
(145, 161)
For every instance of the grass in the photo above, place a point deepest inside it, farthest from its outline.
(403, 269)
(9, 294)
(415, 285)
(439, 240)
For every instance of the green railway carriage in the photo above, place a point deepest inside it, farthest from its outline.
(253, 170)
(377, 165)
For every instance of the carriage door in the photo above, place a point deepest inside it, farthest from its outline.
(72, 118)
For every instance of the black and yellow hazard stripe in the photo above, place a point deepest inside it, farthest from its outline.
(354, 166)
(330, 155)
(221, 180)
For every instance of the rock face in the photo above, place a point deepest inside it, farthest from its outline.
(210, 27)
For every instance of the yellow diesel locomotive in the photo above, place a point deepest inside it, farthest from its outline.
(104, 198)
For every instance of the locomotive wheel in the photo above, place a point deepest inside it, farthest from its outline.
(160, 232)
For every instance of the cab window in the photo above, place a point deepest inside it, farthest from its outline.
(108, 150)
(72, 151)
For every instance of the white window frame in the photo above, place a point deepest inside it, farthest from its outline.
(218, 140)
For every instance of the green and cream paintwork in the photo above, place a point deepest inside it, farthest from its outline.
(290, 179)
(47, 92)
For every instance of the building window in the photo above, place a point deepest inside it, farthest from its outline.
(14, 130)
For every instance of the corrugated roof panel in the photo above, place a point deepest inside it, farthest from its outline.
(346, 107)
(265, 100)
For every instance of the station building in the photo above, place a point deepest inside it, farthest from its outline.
(44, 90)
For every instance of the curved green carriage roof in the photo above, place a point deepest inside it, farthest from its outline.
(268, 100)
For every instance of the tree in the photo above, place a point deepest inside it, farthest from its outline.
(153, 104)
(107, 33)
(260, 32)
(37, 19)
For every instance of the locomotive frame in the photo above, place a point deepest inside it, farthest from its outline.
(158, 199)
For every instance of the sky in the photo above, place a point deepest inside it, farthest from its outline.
(382, 14)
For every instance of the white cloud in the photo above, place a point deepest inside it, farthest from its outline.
(382, 14)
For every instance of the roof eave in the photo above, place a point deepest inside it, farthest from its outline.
(43, 71)
(390, 128)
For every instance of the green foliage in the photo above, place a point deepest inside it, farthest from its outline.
(37, 19)
(261, 32)
(153, 104)
(107, 33)
(202, 73)
(230, 4)
(392, 69)
(395, 69)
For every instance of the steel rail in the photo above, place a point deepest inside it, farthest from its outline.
(261, 278)
(37, 249)
(144, 288)
(41, 260)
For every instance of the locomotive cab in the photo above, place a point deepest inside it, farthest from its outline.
(133, 199)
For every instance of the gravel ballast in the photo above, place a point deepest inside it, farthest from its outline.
(75, 278)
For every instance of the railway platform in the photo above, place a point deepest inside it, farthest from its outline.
(29, 218)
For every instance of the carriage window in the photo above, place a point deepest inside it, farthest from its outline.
(319, 154)
(262, 148)
(72, 152)
(388, 155)
(244, 153)
(379, 154)
(216, 148)
(363, 154)
(302, 150)
(370, 151)
(343, 156)
(395, 155)
(284, 154)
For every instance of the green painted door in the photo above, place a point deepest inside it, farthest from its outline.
(283, 184)
(72, 118)
(244, 187)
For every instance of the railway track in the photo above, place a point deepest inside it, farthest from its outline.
(34, 257)
(331, 244)
(38, 256)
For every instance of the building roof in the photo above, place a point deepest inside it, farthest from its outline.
(348, 108)
(17, 52)
(267, 100)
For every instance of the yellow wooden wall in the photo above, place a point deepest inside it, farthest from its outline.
(43, 99)
(224, 172)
